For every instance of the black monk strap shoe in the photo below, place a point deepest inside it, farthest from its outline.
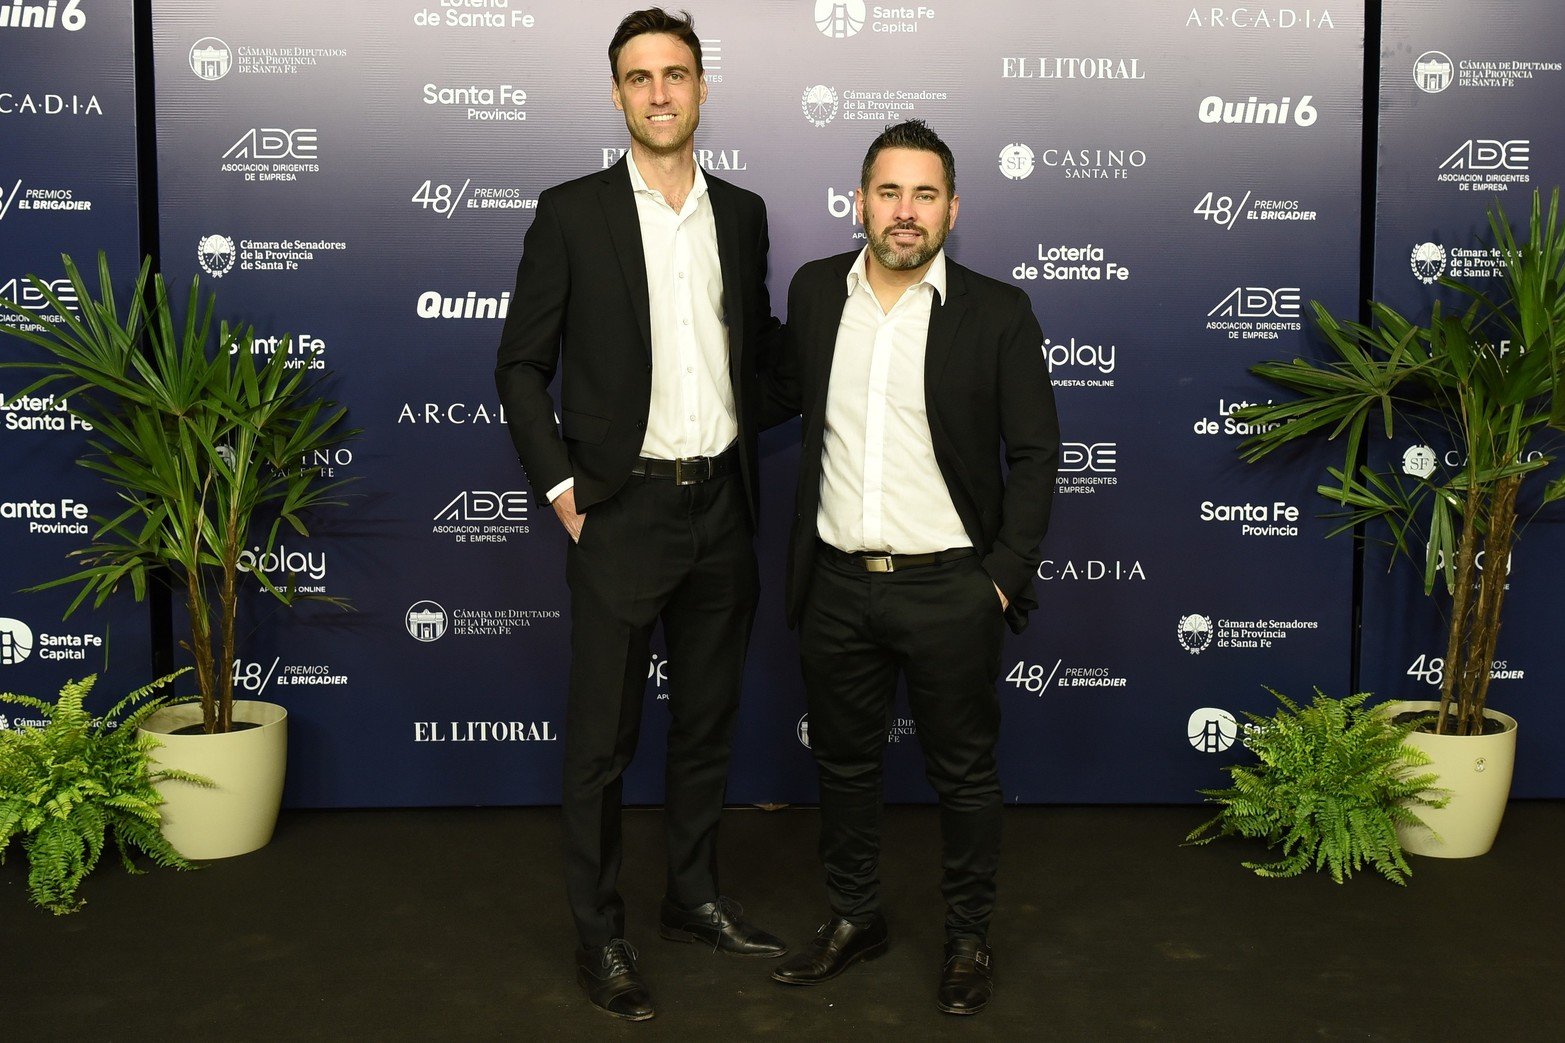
(608, 973)
(838, 945)
(967, 979)
(718, 924)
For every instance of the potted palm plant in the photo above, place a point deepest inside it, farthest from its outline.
(1484, 380)
(209, 452)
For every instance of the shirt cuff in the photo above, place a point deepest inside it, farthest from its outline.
(569, 483)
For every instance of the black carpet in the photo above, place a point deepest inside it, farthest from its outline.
(452, 925)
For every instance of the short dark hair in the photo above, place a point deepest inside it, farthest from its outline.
(914, 134)
(654, 20)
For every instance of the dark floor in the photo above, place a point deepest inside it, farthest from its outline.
(451, 925)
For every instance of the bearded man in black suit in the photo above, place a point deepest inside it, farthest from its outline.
(911, 546)
(644, 287)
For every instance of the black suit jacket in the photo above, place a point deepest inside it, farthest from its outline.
(581, 307)
(987, 393)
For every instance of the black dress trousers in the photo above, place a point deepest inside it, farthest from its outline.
(682, 555)
(941, 627)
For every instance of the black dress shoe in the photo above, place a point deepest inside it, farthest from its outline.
(967, 980)
(838, 945)
(718, 924)
(608, 973)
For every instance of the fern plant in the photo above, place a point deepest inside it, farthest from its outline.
(68, 786)
(1334, 782)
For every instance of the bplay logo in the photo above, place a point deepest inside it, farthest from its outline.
(51, 15)
(840, 19)
(1016, 161)
(1212, 730)
(802, 730)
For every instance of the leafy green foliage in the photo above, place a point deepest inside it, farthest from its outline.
(1333, 783)
(209, 451)
(1486, 382)
(68, 786)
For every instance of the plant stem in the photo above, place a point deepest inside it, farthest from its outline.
(1466, 556)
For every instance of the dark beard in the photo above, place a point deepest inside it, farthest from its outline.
(897, 261)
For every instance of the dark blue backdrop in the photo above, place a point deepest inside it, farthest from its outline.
(1170, 184)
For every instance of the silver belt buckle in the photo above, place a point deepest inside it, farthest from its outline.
(694, 478)
(878, 563)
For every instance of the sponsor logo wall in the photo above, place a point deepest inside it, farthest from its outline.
(1170, 185)
(1469, 115)
(67, 185)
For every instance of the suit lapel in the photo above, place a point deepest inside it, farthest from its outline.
(619, 212)
(945, 318)
(729, 253)
(824, 332)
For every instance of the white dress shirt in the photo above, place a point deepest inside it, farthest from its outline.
(881, 489)
(692, 411)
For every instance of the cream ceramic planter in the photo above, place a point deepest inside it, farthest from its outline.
(239, 813)
(1477, 771)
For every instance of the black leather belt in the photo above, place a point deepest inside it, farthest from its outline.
(691, 470)
(870, 561)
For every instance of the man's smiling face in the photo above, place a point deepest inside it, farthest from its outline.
(659, 91)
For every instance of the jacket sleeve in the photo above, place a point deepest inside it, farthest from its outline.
(781, 395)
(530, 350)
(1030, 431)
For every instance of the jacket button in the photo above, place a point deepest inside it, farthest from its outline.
(641, 425)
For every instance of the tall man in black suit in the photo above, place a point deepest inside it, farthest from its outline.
(644, 285)
(910, 544)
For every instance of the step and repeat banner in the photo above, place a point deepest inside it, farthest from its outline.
(1170, 184)
(67, 186)
(1470, 115)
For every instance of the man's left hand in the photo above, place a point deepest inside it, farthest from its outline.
(1005, 602)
